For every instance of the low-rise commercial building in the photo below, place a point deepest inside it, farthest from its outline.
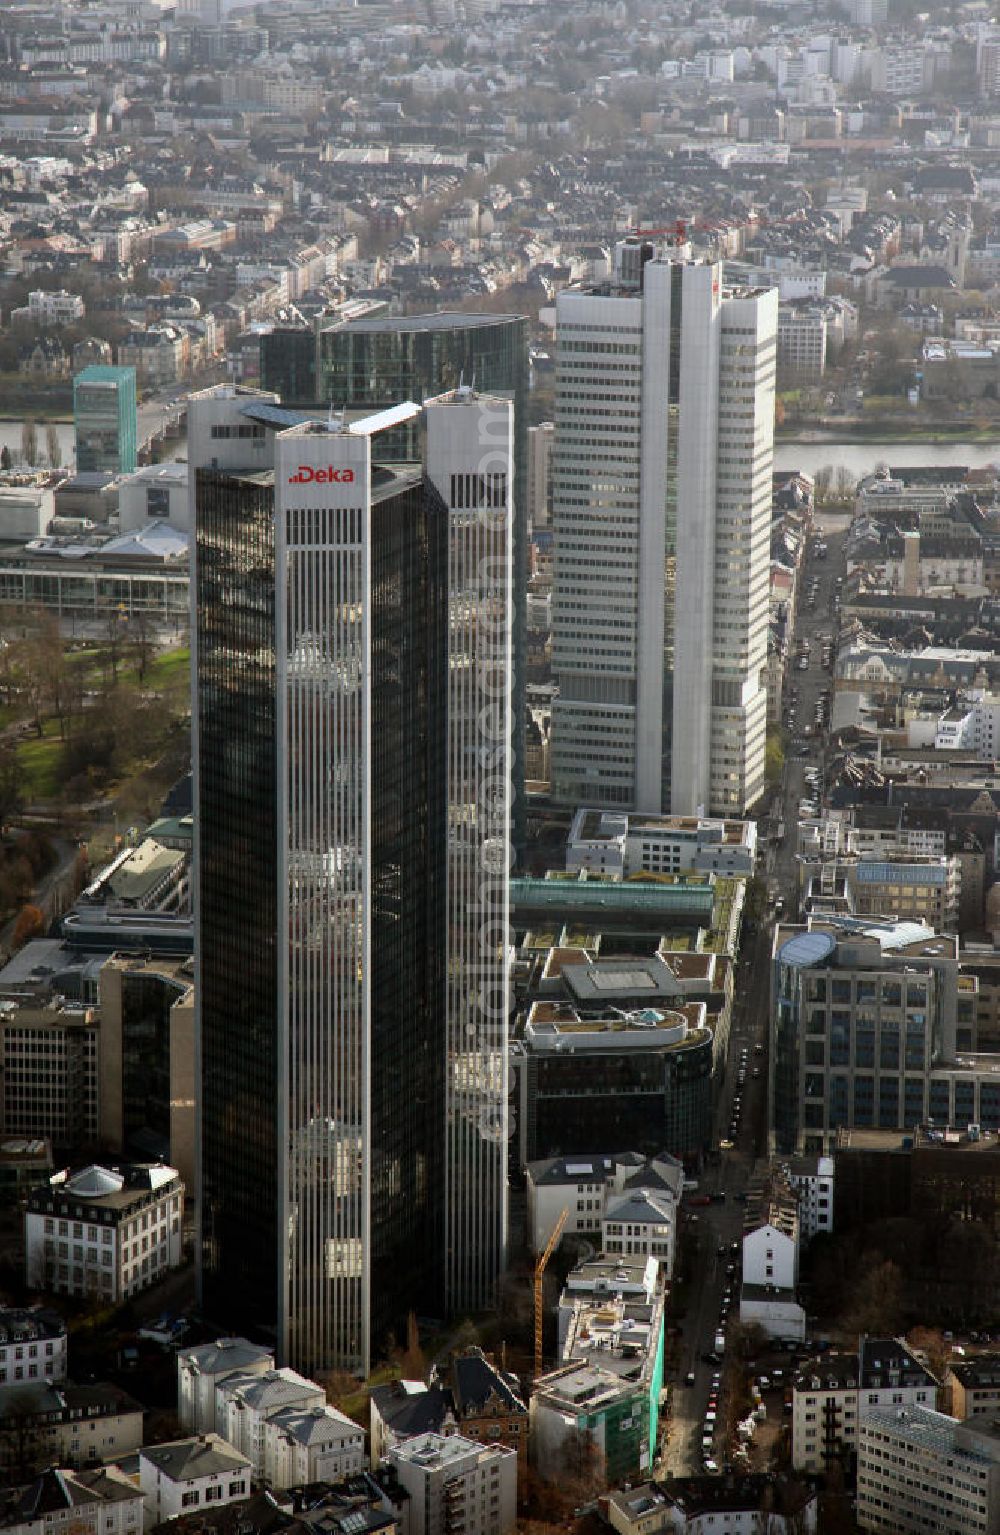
(919, 1470)
(106, 1232)
(157, 491)
(597, 1071)
(25, 1161)
(622, 843)
(86, 579)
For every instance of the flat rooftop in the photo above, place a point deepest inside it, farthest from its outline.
(446, 319)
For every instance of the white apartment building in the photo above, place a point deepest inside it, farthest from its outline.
(771, 1255)
(188, 1474)
(812, 1180)
(919, 1470)
(988, 67)
(201, 1370)
(55, 307)
(868, 13)
(771, 1259)
(104, 1231)
(641, 1223)
(313, 1444)
(102, 1501)
(902, 69)
(974, 726)
(586, 1186)
(32, 1345)
(802, 341)
(832, 1394)
(613, 842)
(661, 513)
(457, 1487)
(245, 1403)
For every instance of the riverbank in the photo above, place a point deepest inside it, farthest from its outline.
(878, 430)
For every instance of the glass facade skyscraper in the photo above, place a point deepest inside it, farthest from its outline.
(370, 363)
(104, 419)
(352, 993)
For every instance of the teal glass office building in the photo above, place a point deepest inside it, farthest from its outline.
(104, 420)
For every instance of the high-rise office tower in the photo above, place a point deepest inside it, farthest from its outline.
(352, 671)
(104, 419)
(540, 474)
(661, 516)
(376, 361)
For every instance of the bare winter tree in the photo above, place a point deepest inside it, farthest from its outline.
(29, 443)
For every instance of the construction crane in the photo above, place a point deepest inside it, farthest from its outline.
(677, 231)
(541, 1263)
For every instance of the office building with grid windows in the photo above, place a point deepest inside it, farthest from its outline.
(352, 668)
(661, 514)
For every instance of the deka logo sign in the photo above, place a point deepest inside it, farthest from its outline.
(305, 474)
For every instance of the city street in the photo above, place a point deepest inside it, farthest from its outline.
(810, 624)
(718, 1225)
(715, 1225)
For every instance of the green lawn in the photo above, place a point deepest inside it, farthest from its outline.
(169, 667)
(40, 759)
(164, 673)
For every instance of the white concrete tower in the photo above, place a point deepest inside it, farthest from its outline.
(661, 513)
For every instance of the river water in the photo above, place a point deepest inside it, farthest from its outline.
(861, 458)
(10, 437)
